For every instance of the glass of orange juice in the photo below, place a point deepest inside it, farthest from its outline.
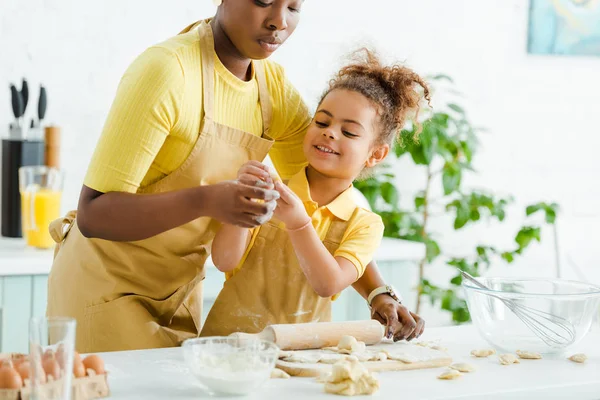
(41, 191)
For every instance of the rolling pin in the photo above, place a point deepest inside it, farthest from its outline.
(316, 335)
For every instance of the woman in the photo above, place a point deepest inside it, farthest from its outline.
(188, 113)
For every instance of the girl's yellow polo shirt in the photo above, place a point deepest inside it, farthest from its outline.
(155, 119)
(363, 234)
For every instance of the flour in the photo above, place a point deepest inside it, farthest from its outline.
(236, 373)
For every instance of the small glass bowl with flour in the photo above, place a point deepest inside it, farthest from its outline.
(230, 365)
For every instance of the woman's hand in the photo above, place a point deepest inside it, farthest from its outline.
(399, 322)
(290, 208)
(233, 203)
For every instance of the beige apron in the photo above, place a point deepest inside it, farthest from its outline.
(148, 293)
(270, 287)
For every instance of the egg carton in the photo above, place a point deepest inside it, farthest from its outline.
(92, 386)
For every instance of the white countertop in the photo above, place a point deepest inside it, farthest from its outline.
(162, 374)
(18, 259)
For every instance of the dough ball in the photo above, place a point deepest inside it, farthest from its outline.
(463, 367)
(528, 355)
(507, 359)
(483, 352)
(279, 374)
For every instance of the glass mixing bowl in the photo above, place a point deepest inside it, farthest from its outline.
(532, 314)
(230, 366)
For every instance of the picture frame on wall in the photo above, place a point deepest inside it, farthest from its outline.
(564, 27)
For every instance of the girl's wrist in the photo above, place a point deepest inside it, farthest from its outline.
(299, 227)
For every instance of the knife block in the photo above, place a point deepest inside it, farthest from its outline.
(16, 153)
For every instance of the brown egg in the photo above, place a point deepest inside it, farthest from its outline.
(51, 367)
(9, 378)
(24, 369)
(94, 362)
(78, 368)
(18, 359)
(47, 354)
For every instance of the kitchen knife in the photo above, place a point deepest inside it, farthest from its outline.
(42, 104)
(25, 95)
(17, 103)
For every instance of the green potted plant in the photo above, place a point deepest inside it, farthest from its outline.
(445, 150)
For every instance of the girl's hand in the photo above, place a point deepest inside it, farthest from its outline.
(254, 173)
(290, 208)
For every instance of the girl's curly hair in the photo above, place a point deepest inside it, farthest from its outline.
(392, 89)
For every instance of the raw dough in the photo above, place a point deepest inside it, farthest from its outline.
(507, 359)
(578, 358)
(348, 345)
(350, 378)
(450, 374)
(403, 352)
(463, 367)
(279, 374)
(432, 345)
(483, 352)
(528, 355)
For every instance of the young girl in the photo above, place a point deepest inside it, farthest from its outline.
(319, 241)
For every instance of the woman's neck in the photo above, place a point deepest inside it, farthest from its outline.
(229, 55)
(324, 189)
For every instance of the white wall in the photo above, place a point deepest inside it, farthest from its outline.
(542, 112)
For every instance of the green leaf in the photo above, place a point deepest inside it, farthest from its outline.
(451, 177)
(533, 209)
(462, 217)
(457, 280)
(467, 150)
(429, 142)
(416, 152)
(551, 211)
(432, 249)
(550, 216)
(461, 315)
(419, 202)
(390, 193)
(456, 108)
(526, 235)
(475, 215)
(441, 120)
(508, 256)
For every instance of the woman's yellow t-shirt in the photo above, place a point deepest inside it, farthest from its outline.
(155, 119)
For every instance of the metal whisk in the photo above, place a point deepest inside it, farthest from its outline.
(552, 329)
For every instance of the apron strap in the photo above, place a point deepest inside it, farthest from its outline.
(263, 96)
(207, 46)
(59, 228)
(207, 49)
